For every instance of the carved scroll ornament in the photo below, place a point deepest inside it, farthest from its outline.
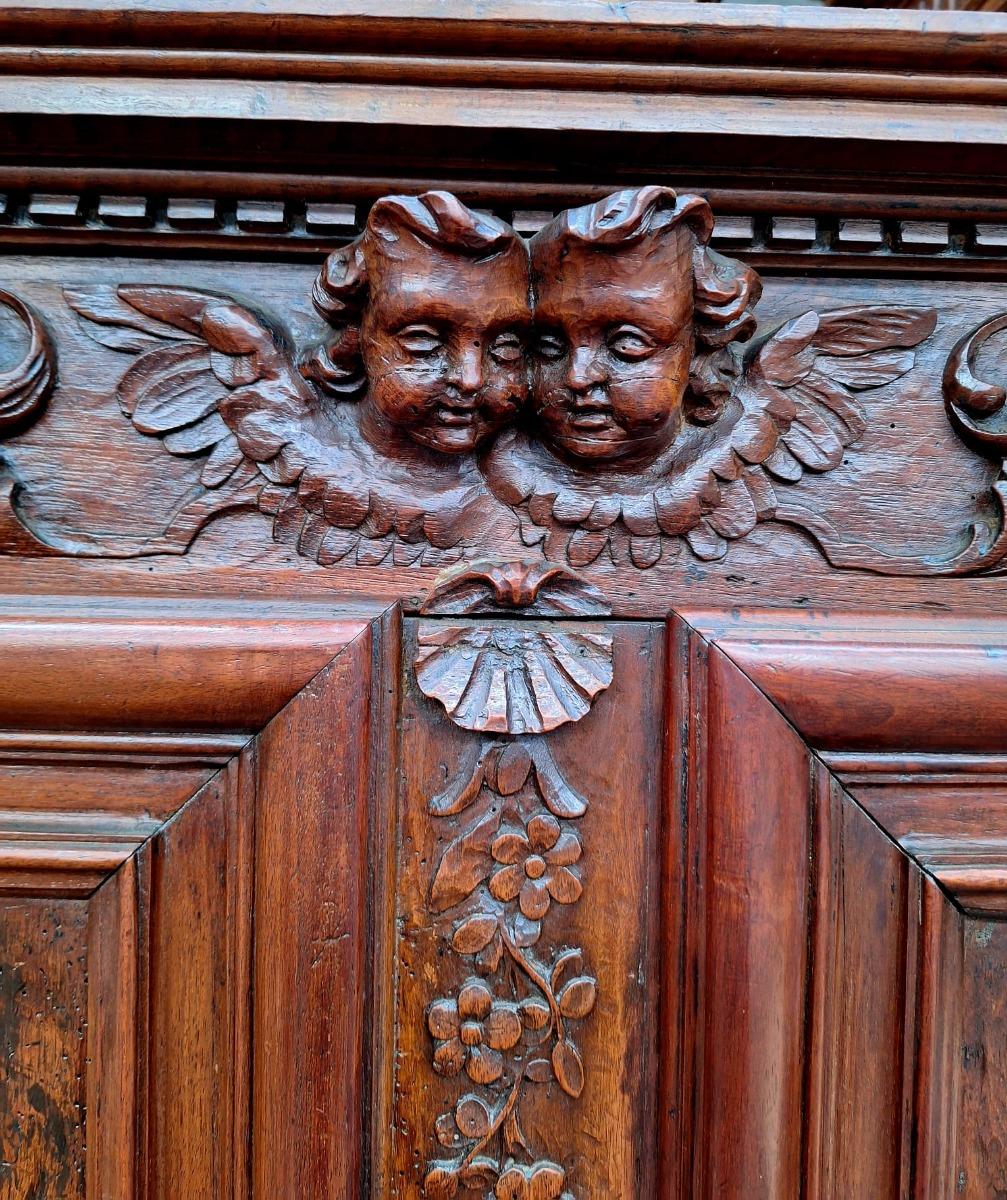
(26, 385)
(514, 863)
(600, 394)
(978, 410)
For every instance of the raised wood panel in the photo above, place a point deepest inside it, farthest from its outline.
(861, 1020)
(749, 1040)
(313, 988)
(195, 981)
(982, 1119)
(43, 1047)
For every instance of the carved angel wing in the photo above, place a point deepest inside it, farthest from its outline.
(215, 379)
(204, 366)
(802, 408)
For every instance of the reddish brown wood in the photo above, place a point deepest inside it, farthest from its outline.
(775, 835)
(583, 1101)
(311, 899)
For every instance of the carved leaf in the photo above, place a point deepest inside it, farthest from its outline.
(569, 960)
(460, 793)
(514, 1139)
(569, 1068)
(578, 997)
(488, 960)
(513, 766)
(441, 1182)
(446, 1129)
(481, 1172)
(475, 934)
(526, 932)
(465, 864)
(560, 798)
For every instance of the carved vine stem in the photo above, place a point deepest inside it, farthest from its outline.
(538, 979)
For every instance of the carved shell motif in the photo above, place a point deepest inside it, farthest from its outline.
(512, 678)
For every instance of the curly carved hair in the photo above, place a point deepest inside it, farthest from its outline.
(342, 288)
(724, 291)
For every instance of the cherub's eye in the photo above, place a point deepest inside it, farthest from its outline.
(420, 340)
(550, 345)
(630, 343)
(506, 347)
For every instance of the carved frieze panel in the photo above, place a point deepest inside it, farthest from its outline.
(518, 1002)
(606, 395)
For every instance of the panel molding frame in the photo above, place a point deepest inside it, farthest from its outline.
(887, 710)
(218, 704)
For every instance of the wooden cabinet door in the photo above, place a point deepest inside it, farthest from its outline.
(764, 959)
(184, 825)
(843, 885)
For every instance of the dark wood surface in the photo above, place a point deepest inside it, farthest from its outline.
(504, 843)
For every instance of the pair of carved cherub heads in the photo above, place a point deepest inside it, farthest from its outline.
(606, 332)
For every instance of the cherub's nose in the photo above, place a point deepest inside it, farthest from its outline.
(585, 370)
(465, 370)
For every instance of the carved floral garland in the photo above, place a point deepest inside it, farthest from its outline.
(509, 1027)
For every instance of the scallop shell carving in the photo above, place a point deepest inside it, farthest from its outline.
(513, 679)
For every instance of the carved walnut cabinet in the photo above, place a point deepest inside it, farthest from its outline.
(503, 632)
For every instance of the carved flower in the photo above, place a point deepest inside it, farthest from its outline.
(541, 1181)
(535, 866)
(471, 1031)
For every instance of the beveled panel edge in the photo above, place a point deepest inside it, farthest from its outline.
(198, 667)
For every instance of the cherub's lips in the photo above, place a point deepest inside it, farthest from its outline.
(455, 414)
(594, 417)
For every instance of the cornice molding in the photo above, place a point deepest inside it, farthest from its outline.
(538, 64)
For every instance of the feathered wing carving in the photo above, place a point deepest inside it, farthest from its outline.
(217, 379)
(802, 408)
(795, 409)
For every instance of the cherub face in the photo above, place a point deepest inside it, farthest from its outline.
(443, 344)
(614, 346)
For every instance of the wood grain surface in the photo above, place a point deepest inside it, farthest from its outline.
(705, 898)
